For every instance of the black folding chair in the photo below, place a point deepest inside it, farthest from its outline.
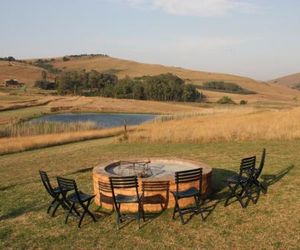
(126, 183)
(183, 177)
(55, 193)
(152, 193)
(240, 185)
(258, 171)
(105, 193)
(75, 198)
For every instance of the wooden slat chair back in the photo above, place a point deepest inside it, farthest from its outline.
(152, 193)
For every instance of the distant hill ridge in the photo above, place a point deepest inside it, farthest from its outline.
(289, 80)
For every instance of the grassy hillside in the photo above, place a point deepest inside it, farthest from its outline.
(23, 72)
(124, 68)
(27, 73)
(289, 80)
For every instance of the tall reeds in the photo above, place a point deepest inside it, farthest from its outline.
(22, 143)
(45, 127)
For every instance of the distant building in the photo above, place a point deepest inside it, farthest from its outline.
(14, 83)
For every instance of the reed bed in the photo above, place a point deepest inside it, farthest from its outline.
(227, 126)
(45, 127)
(18, 144)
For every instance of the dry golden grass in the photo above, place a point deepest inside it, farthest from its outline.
(102, 104)
(18, 144)
(265, 92)
(230, 125)
(45, 127)
(289, 80)
(24, 107)
(22, 72)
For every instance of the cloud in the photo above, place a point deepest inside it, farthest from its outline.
(195, 7)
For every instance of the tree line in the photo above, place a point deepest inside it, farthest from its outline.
(164, 87)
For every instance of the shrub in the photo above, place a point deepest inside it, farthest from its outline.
(225, 100)
(226, 87)
(243, 102)
(45, 85)
(44, 64)
(297, 86)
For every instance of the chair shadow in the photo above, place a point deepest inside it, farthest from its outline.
(151, 216)
(80, 171)
(270, 179)
(219, 184)
(205, 211)
(22, 210)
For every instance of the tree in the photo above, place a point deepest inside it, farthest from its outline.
(190, 93)
(10, 59)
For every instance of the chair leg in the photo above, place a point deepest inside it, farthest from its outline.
(234, 193)
(139, 217)
(55, 208)
(179, 210)
(51, 205)
(86, 208)
(69, 212)
(174, 211)
(244, 193)
(141, 205)
(64, 205)
(198, 206)
(231, 195)
(118, 218)
(81, 218)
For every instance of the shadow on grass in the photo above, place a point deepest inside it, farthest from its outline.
(80, 171)
(22, 210)
(219, 184)
(37, 180)
(270, 179)
(149, 217)
(7, 187)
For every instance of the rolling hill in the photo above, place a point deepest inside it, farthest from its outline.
(23, 72)
(289, 80)
(26, 72)
(122, 68)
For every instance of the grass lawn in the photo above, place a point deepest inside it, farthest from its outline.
(274, 222)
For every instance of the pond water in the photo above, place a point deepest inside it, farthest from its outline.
(106, 120)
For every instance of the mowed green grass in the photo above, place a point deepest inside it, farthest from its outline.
(274, 222)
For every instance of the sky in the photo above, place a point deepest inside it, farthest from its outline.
(258, 38)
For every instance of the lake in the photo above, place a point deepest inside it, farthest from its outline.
(106, 120)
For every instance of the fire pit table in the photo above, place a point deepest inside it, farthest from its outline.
(150, 171)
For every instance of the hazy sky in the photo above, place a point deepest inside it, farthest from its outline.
(258, 38)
